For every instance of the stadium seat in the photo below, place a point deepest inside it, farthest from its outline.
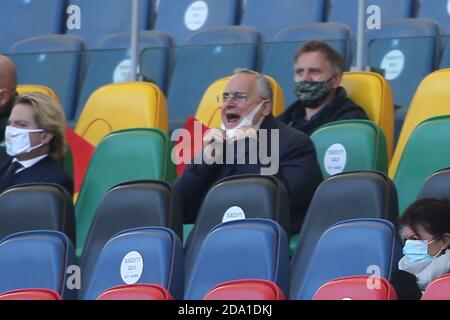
(438, 289)
(103, 18)
(346, 11)
(209, 112)
(427, 151)
(136, 292)
(248, 289)
(112, 62)
(346, 196)
(437, 185)
(242, 249)
(427, 103)
(39, 259)
(145, 203)
(28, 88)
(349, 248)
(181, 18)
(437, 10)
(121, 106)
(234, 198)
(36, 17)
(283, 13)
(279, 55)
(36, 207)
(30, 294)
(397, 47)
(220, 50)
(53, 61)
(357, 288)
(134, 154)
(350, 145)
(150, 255)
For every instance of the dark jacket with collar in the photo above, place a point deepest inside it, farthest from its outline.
(299, 171)
(340, 108)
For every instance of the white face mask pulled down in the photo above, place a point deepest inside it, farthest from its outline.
(246, 121)
(18, 141)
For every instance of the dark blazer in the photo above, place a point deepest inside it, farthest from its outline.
(298, 171)
(46, 170)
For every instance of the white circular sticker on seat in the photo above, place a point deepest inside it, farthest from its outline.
(234, 213)
(196, 15)
(393, 64)
(122, 71)
(335, 159)
(132, 267)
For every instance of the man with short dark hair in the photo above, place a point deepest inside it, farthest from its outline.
(8, 85)
(321, 99)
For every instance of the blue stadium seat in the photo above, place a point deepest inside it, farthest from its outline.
(346, 11)
(151, 255)
(53, 61)
(279, 55)
(112, 62)
(209, 55)
(100, 19)
(438, 10)
(29, 18)
(437, 185)
(37, 259)
(242, 249)
(349, 248)
(181, 18)
(282, 13)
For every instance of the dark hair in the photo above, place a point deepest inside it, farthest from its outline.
(331, 55)
(431, 214)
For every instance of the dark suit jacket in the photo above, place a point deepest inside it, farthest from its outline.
(46, 170)
(298, 171)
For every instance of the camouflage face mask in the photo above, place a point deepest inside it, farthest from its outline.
(312, 93)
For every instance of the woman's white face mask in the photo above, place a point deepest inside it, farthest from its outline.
(18, 140)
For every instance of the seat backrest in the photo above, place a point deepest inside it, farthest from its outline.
(373, 93)
(31, 294)
(135, 154)
(39, 259)
(437, 10)
(247, 289)
(53, 61)
(36, 18)
(152, 255)
(279, 55)
(396, 47)
(350, 145)
(357, 288)
(235, 198)
(438, 289)
(136, 292)
(103, 18)
(220, 51)
(181, 18)
(284, 13)
(36, 207)
(209, 111)
(426, 152)
(427, 103)
(436, 186)
(28, 88)
(346, 196)
(121, 106)
(349, 248)
(146, 203)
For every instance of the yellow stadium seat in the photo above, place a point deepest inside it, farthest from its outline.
(432, 99)
(122, 106)
(208, 112)
(27, 88)
(373, 93)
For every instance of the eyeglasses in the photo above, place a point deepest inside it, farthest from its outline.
(227, 96)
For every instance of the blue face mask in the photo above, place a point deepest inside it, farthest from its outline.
(416, 250)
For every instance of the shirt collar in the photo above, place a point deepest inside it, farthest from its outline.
(29, 163)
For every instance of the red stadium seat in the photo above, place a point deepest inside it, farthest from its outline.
(253, 289)
(136, 292)
(356, 288)
(439, 289)
(30, 294)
